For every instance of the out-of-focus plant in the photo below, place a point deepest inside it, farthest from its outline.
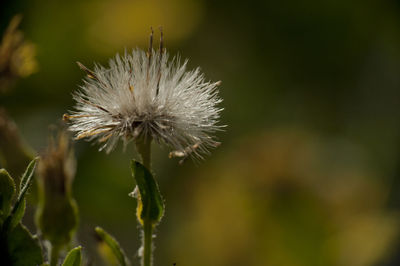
(57, 213)
(15, 153)
(17, 60)
(17, 55)
(110, 250)
(18, 247)
(74, 257)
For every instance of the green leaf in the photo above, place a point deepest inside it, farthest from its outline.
(150, 203)
(26, 178)
(73, 257)
(19, 208)
(17, 215)
(113, 244)
(20, 248)
(7, 190)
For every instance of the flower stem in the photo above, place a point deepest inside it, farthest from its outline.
(144, 148)
(147, 243)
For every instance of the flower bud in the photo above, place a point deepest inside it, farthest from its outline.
(57, 214)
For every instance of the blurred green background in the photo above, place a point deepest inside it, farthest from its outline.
(309, 168)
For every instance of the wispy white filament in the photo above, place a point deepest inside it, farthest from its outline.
(147, 96)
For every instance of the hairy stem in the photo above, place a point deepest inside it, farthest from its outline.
(144, 148)
(147, 244)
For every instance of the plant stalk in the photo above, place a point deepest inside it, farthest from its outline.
(144, 148)
(147, 244)
(54, 252)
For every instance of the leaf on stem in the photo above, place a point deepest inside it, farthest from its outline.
(26, 178)
(19, 208)
(7, 190)
(21, 248)
(150, 203)
(74, 257)
(17, 215)
(113, 244)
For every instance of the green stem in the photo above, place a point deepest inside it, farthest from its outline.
(147, 243)
(144, 148)
(54, 252)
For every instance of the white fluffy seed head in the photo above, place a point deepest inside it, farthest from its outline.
(146, 95)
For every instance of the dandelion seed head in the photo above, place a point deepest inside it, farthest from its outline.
(147, 95)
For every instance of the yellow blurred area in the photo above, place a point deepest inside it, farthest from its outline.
(23, 60)
(106, 253)
(17, 55)
(122, 23)
(286, 198)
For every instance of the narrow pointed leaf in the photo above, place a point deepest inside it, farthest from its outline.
(19, 207)
(16, 217)
(7, 190)
(150, 205)
(113, 244)
(26, 178)
(74, 257)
